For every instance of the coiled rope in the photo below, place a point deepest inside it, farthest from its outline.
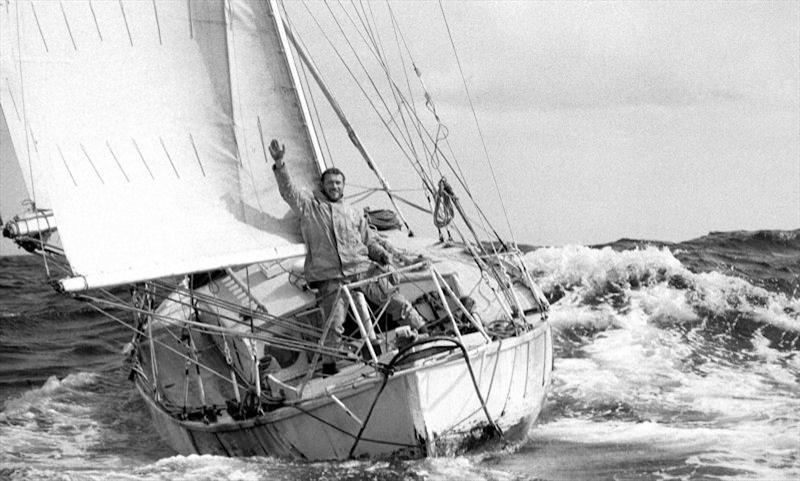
(443, 211)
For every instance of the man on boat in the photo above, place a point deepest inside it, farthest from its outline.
(340, 249)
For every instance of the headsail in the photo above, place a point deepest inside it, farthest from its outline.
(265, 102)
(136, 132)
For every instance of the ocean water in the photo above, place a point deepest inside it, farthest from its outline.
(674, 361)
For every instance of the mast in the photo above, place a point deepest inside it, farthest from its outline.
(351, 133)
(287, 52)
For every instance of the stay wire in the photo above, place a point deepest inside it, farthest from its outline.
(397, 92)
(403, 104)
(28, 132)
(477, 124)
(457, 171)
(416, 164)
(393, 88)
(395, 28)
(377, 53)
(371, 48)
(366, 96)
(309, 89)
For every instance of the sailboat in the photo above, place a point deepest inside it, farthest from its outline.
(140, 130)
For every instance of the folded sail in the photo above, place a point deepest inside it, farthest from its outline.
(134, 130)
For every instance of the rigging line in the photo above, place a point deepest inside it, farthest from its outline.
(414, 205)
(374, 50)
(289, 324)
(320, 126)
(163, 344)
(309, 90)
(367, 187)
(365, 23)
(477, 124)
(215, 330)
(421, 173)
(407, 138)
(13, 102)
(374, 34)
(369, 100)
(22, 101)
(374, 44)
(395, 28)
(458, 174)
(414, 162)
(347, 433)
(398, 30)
(419, 126)
(485, 225)
(393, 88)
(361, 64)
(467, 190)
(361, 190)
(27, 126)
(356, 198)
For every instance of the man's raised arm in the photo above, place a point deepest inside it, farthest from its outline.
(293, 196)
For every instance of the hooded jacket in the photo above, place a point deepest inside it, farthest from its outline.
(338, 240)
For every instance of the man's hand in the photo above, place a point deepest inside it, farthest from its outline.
(276, 150)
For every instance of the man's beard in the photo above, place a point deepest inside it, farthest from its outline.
(332, 199)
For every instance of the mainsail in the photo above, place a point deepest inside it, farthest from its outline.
(143, 121)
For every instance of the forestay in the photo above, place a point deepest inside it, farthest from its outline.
(143, 126)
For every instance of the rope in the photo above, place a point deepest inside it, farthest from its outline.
(406, 352)
(443, 212)
(434, 164)
(417, 167)
(477, 124)
(319, 126)
(28, 133)
(369, 413)
(363, 91)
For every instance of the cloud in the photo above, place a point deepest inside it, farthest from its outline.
(593, 55)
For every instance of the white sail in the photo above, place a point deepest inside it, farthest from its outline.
(21, 147)
(266, 103)
(12, 192)
(136, 128)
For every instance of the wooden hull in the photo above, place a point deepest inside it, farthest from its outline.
(428, 407)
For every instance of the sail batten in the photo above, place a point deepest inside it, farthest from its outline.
(147, 144)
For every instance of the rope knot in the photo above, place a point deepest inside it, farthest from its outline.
(443, 212)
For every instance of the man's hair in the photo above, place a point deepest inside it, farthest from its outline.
(331, 171)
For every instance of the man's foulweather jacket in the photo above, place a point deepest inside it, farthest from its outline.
(338, 240)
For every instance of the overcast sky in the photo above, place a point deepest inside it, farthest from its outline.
(652, 120)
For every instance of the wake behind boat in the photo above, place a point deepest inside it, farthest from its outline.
(139, 130)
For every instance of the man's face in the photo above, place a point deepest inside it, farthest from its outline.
(333, 187)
